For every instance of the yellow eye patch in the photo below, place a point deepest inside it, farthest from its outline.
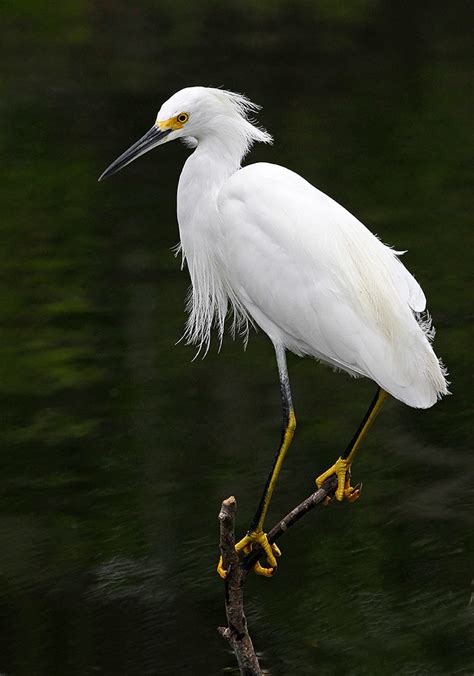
(174, 122)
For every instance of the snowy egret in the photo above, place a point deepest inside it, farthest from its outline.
(263, 244)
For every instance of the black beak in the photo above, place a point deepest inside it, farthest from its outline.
(151, 139)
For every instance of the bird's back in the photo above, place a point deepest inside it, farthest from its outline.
(320, 283)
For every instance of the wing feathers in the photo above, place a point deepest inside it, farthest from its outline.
(319, 282)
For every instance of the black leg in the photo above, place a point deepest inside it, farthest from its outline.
(288, 428)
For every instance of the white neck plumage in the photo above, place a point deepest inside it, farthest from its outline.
(218, 155)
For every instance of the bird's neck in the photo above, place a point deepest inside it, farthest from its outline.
(215, 159)
(203, 176)
(204, 173)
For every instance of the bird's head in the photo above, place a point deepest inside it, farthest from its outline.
(193, 114)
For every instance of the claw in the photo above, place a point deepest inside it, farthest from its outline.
(222, 572)
(342, 469)
(271, 558)
(258, 569)
(276, 549)
(352, 493)
(272, 551)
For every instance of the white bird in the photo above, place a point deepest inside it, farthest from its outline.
(265, 245)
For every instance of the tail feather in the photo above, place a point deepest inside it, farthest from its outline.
(426, 376)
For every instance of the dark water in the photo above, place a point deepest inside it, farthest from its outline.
(117, 450)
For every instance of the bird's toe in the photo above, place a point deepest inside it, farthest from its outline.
(344, 490)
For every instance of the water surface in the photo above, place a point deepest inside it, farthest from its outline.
(117, 450)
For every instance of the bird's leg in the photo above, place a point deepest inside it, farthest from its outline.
(342, 466)
(255, 534)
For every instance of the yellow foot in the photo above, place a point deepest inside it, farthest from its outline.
(342, 469)
(246, 544)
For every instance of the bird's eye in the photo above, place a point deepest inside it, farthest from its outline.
(182, 118)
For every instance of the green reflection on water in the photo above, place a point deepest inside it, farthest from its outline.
(117, 450)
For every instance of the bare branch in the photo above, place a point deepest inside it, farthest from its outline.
(237, 632)
(327, 490)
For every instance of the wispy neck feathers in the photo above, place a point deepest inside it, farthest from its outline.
(220, 147)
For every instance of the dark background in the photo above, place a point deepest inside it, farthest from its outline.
(117, 450)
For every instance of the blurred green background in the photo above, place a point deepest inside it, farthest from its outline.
(117, 450)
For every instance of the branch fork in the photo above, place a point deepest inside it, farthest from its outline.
(237, 569)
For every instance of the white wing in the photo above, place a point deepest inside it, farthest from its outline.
(319, 283)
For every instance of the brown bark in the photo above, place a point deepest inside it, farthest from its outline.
(237, 569)
(236, 633)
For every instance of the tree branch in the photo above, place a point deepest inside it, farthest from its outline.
(236, 633)
(237, 569)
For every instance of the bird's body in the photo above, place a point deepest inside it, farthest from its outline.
(265, 243)
(318, 282)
